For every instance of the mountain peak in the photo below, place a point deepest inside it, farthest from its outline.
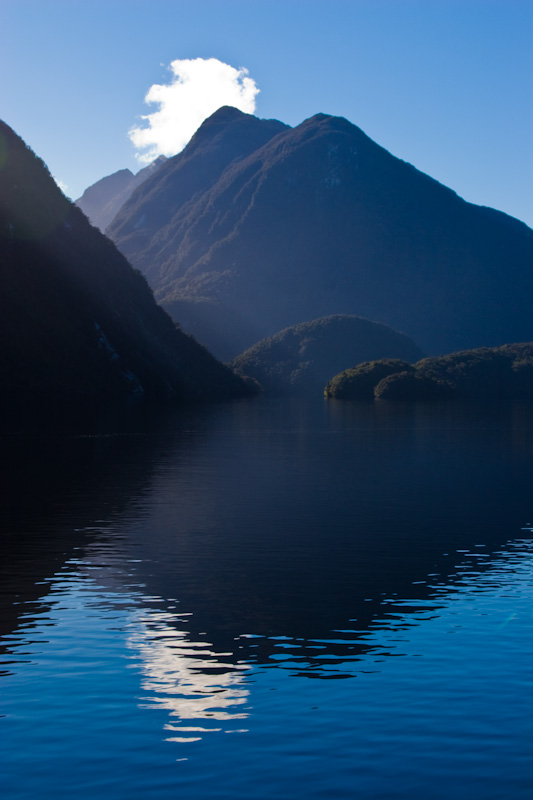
(229, 117)
(227, 113)
(331, 123)
(226, 137)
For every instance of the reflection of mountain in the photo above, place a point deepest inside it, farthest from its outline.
(275, 520)
(59, 491)
(107, 692)
(299, 526)
(287, 520)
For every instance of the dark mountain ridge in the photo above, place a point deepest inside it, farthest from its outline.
(321, 220)
(78, 326)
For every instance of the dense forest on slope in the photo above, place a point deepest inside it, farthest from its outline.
(484, 374)
(255, 227)
(78, 326)
(300, 359)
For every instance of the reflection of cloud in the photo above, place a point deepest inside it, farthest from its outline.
(187, 678)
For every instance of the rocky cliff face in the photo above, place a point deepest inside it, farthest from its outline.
(78, 326)
(256, 227)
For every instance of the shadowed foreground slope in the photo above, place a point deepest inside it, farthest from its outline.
(78, 326)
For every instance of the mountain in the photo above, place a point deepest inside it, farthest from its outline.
(483, 374)
(300, 359)
(78, 326)
(240, 238)
(154, 210)
(101, 201)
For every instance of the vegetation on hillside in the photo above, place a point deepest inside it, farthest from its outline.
(299, 359)
(504, 372)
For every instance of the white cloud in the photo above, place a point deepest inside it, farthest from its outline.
(198, 87)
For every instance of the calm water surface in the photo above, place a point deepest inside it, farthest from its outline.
(270, 600)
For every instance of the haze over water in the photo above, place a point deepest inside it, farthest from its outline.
(271, 599)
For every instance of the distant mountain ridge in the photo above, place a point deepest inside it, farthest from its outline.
(255, 227)
(79, 328)
(101, 201)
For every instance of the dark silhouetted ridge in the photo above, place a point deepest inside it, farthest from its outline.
(78, 326)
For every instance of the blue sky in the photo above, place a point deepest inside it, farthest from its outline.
(446, 85)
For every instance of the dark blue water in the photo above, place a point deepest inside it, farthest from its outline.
(267, 599)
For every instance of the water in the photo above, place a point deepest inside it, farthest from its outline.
(270, 599)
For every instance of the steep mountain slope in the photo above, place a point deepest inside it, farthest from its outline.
(225, 139)
(320, 220)
(78, 326)
(101, 201)
(301, 359)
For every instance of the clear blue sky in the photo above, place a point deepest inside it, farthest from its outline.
(444, 84)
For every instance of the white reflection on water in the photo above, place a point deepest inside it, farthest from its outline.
(178, 673)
